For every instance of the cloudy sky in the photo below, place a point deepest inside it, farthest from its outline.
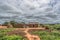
(42, 11)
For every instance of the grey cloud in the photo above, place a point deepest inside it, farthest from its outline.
(31, 10)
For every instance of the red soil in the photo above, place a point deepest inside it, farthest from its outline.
(3, 27)
(25, 33)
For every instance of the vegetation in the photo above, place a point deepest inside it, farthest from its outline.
(54, 34)
(14, 24)
(53, 26)
(12, 37)
(4, 31)
(3, 35)
(44, 35)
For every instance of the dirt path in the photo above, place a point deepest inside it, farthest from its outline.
(24, 32)
(3, 27)
(31, 37)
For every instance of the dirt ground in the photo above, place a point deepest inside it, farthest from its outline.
(25, 33)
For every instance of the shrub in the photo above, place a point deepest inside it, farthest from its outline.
(12, 37)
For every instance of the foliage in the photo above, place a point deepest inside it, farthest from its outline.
(53, 26)
(14, 24)
(4, 31)
(6, 23)
(12, 37)
(3, 35)
(44, 35)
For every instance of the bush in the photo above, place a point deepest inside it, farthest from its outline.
(4, 31)
(44, 35)
(12, 37)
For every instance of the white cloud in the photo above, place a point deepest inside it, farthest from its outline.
(44, 11)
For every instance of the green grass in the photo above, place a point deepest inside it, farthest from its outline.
(3, 35)
(12, 37)
(3, 32)
(44, 35)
